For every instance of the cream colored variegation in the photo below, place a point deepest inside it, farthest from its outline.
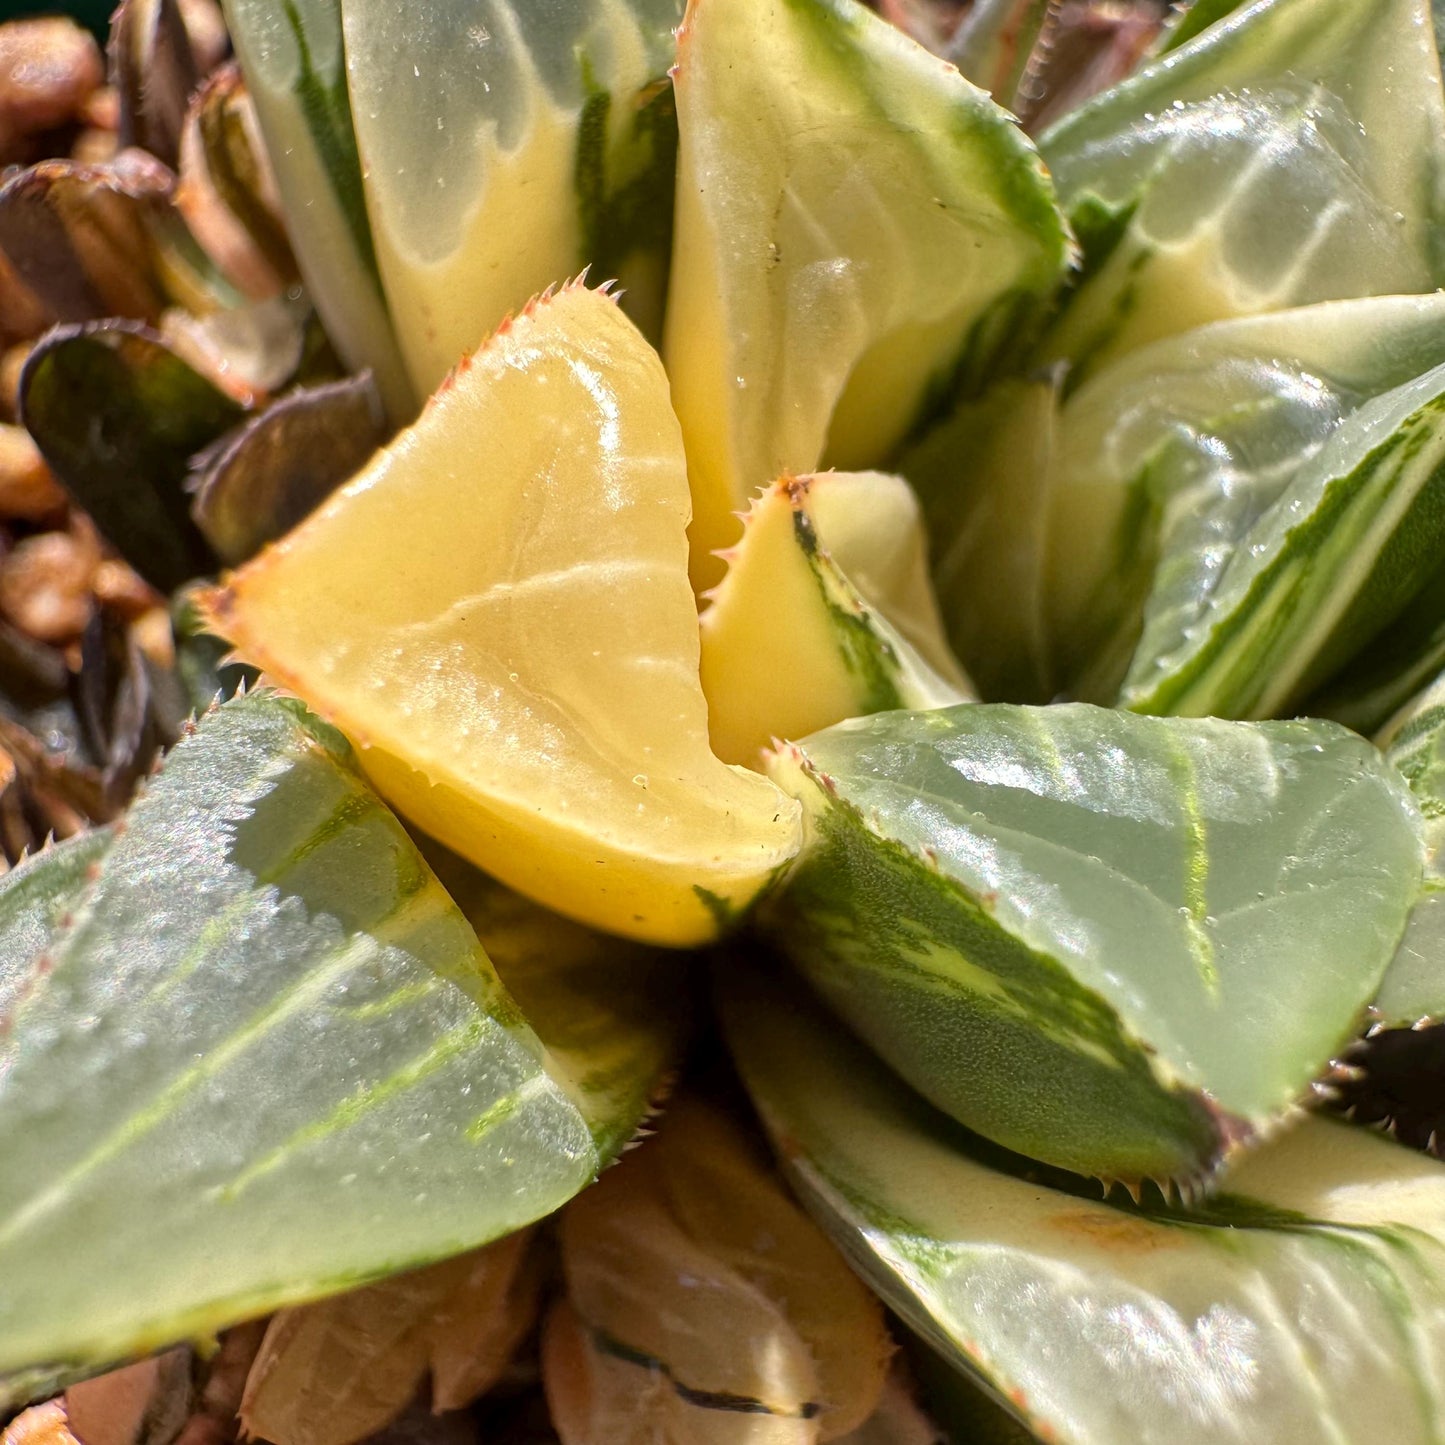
(826, 613)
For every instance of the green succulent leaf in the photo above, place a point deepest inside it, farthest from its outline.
(859, 231)
(294, 61)
(985, 478)
(255, 485)
(507, 147)
(1154, 523)
(118, 414)
(1116, 944)
(35, 896)
(268, 1058)
(1273, 574)
(1413, 990)
(1292, 153)
(1305, 1302)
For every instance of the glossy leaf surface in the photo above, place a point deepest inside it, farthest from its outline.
(294, 60)
(522, 681)
(1291, 153)
(858, 231)
(1121, 945)
(507, 146)
(826, 613)
(268, 1059)
(1306, 1302)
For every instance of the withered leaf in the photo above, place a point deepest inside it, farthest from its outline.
(118, 416)
(227, 192)
(146, 1403)
(79, 236)
(703, 1307)
(257, 483)
(154, 70)
(335, 1372)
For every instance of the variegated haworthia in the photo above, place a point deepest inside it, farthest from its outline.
(507, 146)
(826, 613)
(1220, 521)
(1305, 1302)
(1293, 152)
(295, 64)
(859, 231)
(266, 1058)
(1413, 991)
(1121, 945)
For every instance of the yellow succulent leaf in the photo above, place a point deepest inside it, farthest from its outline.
(496, 611)
(826, 613)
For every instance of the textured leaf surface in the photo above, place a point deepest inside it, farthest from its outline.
(1306, 1303)
(1413, 991)
(1291, 153)
(859, 229)
(268, 1059)
(1209, 493)
(294, 60)
(1116, 944)
(34, 897)
(340, 1369)
(118, 415)
(507, 146)
(704, 1307)
(522, 677)
(826, 613)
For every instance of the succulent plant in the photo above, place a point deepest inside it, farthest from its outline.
(939, 672)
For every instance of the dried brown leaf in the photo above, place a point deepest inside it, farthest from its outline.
(40, 1425)
(154, 69)
(337, 1371)
(79, 237)
(704, 1308)
(146, 1403)
(227, 192)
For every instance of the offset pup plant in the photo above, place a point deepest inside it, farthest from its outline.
(959, 630)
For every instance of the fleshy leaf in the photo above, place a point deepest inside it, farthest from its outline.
(1293, 153)
(1413, 991)
(1117, 944)
(859, 230)
(698, 1292)
(506, 148)
(825, 614)
(1270, 577)
(294, 61)
(254, 486)
(268, 1060)
(1160, 492)
(1305, 1302)
(610, 1013)
(985, 478)
(118, 415)
(34, 897)
(525, 687)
